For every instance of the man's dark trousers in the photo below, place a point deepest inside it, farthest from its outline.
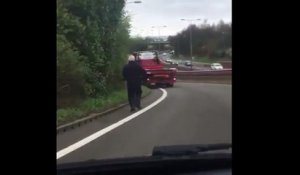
(134, 96)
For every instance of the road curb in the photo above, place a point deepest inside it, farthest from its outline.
(90, 118)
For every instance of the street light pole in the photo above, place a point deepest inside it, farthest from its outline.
(131, 2)
(191, 47)
(223, 37)
(159, 38)
(191, 42)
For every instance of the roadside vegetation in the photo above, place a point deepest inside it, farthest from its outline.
(93, 43)
(209, 60)
(92, 47)
(94, 105)
(209, 41)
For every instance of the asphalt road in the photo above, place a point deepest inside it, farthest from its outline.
(192, 113)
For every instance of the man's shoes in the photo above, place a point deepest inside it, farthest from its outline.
(139, 107)
(132, 110)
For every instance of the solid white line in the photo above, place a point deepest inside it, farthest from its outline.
(100, 133)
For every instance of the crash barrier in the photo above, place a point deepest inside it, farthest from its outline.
(195, 67)
(208, 74)
(205, 72)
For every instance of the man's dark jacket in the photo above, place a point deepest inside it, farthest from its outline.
(134, 74)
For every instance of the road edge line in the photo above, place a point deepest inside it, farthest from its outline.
(90, 117)
(109, 128)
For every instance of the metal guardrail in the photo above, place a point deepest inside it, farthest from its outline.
(205, 72)
(211, 75)
(184, 72)
(82, 121)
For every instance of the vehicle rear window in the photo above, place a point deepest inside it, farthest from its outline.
(146, 55)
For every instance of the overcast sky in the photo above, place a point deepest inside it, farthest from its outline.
(169, 12)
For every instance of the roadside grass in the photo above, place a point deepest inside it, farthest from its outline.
(92, 105)
(204, 59)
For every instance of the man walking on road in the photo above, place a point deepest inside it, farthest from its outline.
(134, 74)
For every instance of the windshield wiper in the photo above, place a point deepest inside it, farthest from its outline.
(164, 160)
(183, 150)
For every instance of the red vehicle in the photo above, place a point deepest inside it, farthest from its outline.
(156, 73)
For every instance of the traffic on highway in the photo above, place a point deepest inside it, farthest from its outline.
(142, 88)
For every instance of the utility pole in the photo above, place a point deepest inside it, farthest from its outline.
(191, 42)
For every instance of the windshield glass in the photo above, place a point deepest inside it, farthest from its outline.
(216, 64)
(146, 55)
(112, 105)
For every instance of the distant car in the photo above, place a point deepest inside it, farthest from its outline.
(188, 63)
(216, 66)
(172, 62)
(175, 62)
(181, 62)
(169, 61)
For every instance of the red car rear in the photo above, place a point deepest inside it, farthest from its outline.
(156, 73)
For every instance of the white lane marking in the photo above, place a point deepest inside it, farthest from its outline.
(100, 133)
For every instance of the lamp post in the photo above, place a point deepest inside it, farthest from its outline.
(191, 43)
(131, 2)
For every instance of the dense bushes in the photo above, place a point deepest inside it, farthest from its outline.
(92, 37)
